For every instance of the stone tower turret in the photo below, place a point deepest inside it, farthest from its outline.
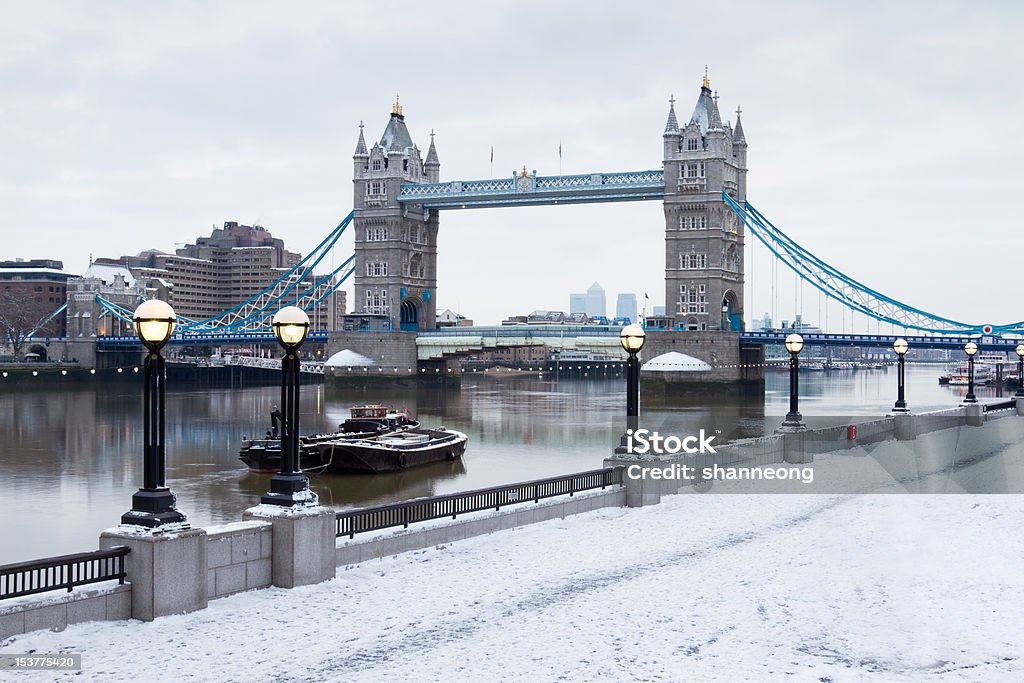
(395, 244)
(703, 238)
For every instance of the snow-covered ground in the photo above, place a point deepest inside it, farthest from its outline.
(737, 587)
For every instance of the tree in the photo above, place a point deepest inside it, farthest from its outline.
(19, 317)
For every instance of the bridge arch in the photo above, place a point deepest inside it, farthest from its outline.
(732, 314)
(409, 315)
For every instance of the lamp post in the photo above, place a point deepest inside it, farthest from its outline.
(970, 348)
(900, 346)
(632, 339)
(290, 486)
(1020, 371)
(153, 504)
(794, 420)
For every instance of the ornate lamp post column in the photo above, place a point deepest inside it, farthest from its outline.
(290, 486)
(153, 504)
(632, 339)
(794, 420)
(970, 348)
(900, 346)
(1020, 371)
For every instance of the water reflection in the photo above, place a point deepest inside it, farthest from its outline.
(72, 458)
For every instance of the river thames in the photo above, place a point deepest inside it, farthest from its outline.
(72, 458)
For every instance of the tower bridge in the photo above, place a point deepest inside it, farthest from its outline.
(398, 197)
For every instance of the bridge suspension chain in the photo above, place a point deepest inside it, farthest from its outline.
(253, 313)
(853, 294)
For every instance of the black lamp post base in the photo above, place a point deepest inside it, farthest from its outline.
(289, 490)
(153, 508)
(793, 421)
(900, 407)
(970, 398)
(623, 447)
(1020, 393)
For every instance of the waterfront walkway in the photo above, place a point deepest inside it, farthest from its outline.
(889, 587)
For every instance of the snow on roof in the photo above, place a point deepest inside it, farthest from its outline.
(673, 361)
(108, 273)
(29, 273)
(347, 358)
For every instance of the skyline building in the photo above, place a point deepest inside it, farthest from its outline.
(216, 273)
(625, 306)
(578, 303)
(31, 290)
(596, 301)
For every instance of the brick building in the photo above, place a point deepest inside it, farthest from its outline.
(30, 290)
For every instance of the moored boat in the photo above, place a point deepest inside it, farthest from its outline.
(392, 452)
(958, 375)
(264, 455)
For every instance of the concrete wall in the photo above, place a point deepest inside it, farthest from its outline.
(55, 610)
(238, 558)
(389, 542)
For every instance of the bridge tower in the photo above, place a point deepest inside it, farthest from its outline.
(703, 237)
(395, 244)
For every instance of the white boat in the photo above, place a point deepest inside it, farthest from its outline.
(958, 375)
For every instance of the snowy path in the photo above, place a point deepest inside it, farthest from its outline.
(712, 587)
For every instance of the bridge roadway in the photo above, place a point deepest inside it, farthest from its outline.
(589, 337)
(527, 189)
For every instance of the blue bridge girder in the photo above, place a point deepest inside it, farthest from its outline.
(882, 340)
(534, 190)
(131, 342)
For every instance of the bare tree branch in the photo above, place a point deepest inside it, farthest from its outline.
(19, 316)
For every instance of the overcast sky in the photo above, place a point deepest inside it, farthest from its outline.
(883, 136)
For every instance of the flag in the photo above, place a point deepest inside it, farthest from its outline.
(559, 149)
(645, 296)
(492, 154)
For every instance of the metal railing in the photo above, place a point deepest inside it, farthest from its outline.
(1004, 405)
(352, 522)
(65, 571)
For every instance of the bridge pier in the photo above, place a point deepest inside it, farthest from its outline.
(735, 367)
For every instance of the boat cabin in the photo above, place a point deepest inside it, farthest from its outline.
(372, 412)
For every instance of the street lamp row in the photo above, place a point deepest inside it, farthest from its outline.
(153, 505)
(795, 343)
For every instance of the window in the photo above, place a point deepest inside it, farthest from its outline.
(691, 170)
(377, 269)
(376, 164)
(699, 222)
(374, 189)
(377, 301)
(693, 299)
(693, 261)
(376, 234)
(691, 144)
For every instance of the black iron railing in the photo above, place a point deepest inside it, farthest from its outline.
(352, 522)
(1004, 405)
(66, 571)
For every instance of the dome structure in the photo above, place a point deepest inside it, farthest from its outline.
(673, 361)
(348, 359)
